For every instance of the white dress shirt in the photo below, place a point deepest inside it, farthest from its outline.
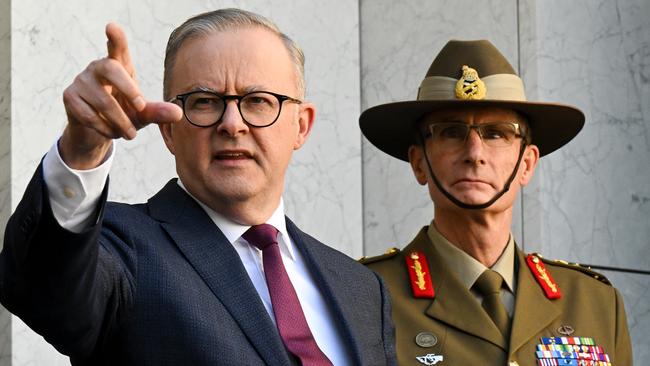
(74, 194)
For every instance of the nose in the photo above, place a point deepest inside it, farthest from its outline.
(232, 123)
(474, 149)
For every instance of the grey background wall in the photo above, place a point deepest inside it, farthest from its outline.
(589, 202)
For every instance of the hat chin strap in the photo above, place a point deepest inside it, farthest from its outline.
(462, 204)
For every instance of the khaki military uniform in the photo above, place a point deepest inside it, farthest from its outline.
(453, 328)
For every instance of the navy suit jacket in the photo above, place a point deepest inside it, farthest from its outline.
(159, 284)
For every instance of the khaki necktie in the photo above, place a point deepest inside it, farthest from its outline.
(489, 285)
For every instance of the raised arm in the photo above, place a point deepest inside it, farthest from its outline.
(64, 284)
(104, 102)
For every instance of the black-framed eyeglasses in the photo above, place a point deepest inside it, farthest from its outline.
(259, 108)
(494, 134)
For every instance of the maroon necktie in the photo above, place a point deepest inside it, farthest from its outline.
(289, 317)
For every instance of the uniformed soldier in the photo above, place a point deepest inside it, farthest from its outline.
(463, 292)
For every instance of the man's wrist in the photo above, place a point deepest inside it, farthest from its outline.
(85, 155)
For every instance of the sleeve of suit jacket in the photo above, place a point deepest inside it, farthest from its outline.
(65, 286)
(388, 327)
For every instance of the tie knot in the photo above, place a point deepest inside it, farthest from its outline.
(261, 236)
(489, 282)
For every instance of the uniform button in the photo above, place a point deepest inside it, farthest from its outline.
(69, 192)
(426, 339)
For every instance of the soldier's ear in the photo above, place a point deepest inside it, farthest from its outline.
(528, 163)
(416, 159)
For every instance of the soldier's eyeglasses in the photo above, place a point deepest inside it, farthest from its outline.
(495, 134)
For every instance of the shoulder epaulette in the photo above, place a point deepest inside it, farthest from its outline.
(417, 266)
(544, 279)
(389, 253)
(576, 266)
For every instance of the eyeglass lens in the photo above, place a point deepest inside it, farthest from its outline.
(258, 109)
(454, 134)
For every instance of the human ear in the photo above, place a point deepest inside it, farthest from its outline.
(166, 132)
(416, 160)
(528, 164)
(306, 116)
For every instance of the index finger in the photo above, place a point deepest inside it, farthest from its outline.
(118, 47)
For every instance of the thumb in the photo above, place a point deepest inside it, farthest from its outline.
(159, 112)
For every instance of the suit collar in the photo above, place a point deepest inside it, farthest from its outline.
(337, 290)
(454, 304)
(233, 230)
(217, 262)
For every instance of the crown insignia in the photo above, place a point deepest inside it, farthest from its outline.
(470, 86)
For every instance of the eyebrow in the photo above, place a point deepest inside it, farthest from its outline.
(245, 90)
(204, 89)
(254, 88)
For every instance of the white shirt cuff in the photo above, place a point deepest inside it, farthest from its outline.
(74, 194)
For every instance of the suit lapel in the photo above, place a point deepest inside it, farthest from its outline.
(454, 304)
(529, 300)
(336, 289)
(218, 263)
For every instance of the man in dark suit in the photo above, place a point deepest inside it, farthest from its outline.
(209, 271)
(463, 292)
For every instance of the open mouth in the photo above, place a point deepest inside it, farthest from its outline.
(232, 155)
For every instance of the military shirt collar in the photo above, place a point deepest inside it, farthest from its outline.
(468, 269)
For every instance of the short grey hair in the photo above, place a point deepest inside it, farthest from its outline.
(224, 20)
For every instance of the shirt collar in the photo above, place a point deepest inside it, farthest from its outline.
(469, 269)
(233, 230)
(505, 265)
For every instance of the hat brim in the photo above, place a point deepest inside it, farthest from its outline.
(391, 127)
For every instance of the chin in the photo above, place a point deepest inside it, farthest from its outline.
(474, 198)
(476, 201)
(231, 192)
(218, 189)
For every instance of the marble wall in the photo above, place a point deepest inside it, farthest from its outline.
(594, 195)
(5, 159)
(589, 202)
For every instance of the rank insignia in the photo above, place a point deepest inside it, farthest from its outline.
(429, 359)
(418, 269)
(565, 330)
(542, 276)
(469, 86)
